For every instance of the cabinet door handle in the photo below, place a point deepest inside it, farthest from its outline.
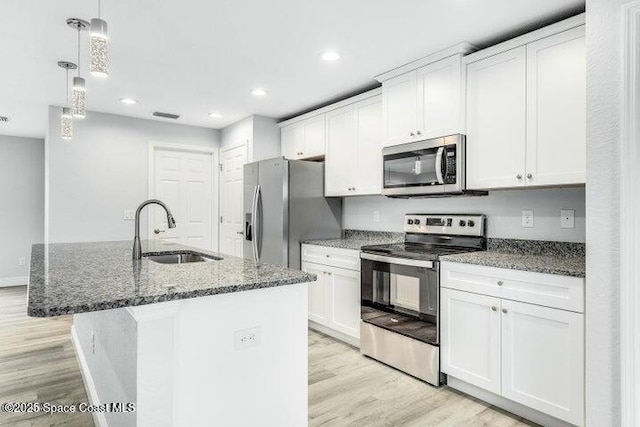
(412, 134)
(500, 283)
(519, 176)
(529, 176)
(494, 308)
(504, 310)
(328, 256)
(418, 133)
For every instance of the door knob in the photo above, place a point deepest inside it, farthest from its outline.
(158, 231)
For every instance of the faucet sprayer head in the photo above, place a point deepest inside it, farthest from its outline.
(171, 222)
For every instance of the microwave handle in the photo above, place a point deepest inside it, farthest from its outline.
(439, 165)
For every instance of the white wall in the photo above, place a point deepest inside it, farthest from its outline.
(503, 208)
(261, 134)
(21, 204)
(604, 23)
(93, 178)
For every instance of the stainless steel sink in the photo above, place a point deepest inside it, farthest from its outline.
(181, 258)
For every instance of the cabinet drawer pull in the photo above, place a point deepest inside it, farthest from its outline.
(412, 134)
(519, 176)
(504, 310)
(529, 176)
(328, 256)
(418, 133)
(494, 308)
(500, 283)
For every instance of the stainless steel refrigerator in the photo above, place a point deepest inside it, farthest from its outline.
(284, 204)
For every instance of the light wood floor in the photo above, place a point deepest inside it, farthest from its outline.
(38, 363)
(348, 389)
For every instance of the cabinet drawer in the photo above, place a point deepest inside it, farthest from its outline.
(334, 257)
(549, 290)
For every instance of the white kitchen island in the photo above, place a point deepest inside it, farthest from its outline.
(224, 345)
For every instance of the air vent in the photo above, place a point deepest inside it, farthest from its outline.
(165, 115)
(4, 119)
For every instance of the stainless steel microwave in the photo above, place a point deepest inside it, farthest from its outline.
(425, 168)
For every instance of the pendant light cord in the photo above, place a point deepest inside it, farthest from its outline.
(78, 51)
(99, 8)
(67, 80)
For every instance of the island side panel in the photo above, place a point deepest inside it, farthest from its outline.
(222, 383)
(106, 347)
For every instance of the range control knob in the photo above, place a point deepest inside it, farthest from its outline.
(416, 222)
(462, 223)
(410, 221)
(471, 223)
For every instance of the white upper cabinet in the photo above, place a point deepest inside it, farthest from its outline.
(496, 117)
(423, 103)
(353, 162)
(556, 109)
(440, 100)
(400, 109)
(304, 139)
(526, 114)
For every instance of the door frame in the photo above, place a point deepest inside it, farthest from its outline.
(629, 208)
(245, 143)
(154, 146)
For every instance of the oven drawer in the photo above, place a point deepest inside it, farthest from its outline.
(549, 290)
(334, 257)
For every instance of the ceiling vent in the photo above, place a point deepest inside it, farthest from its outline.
(4, 119)
(165, 115)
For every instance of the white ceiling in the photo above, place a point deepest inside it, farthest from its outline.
(191, 57)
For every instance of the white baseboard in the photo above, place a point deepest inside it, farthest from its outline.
(13, 281)
(355, 342)
(98, 417)
(506, 404)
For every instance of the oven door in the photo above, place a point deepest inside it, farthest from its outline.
(401, 295)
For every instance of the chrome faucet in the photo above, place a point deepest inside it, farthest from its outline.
(137, 247)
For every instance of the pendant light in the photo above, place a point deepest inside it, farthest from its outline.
(79, 93)
(99, 46)
(66, 118)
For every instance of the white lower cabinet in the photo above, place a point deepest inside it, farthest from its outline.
(470, 338)
(334, 299)
(524, 352)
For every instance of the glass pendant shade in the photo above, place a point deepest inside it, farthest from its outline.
(78, 97)
(66, 124)
(98, 48)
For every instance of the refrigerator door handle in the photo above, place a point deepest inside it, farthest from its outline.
(254, 224)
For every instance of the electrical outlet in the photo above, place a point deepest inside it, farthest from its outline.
(129, 215)
(22, 261)
(527, 218)
(567, 218)
(247, 338)
(376, 216)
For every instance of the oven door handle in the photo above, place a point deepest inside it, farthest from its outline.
(439, 165)
(397, 261)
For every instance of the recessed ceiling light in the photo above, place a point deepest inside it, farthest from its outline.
(215, 115)
(330, 56)
(258, 92)
(129, 101)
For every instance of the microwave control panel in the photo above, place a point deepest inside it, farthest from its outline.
(450, 164)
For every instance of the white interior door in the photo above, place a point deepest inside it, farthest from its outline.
(231, 197)
(184, 181)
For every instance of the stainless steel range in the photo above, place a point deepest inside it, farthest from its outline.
(400, 302)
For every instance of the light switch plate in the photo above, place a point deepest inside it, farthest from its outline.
(527, 218)
(567, 218)
(129, 215)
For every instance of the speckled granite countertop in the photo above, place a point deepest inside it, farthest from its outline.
(68, 278)
(356, 239)
(562, 258)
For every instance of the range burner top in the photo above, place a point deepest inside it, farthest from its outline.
(429, 236)
(416, 250)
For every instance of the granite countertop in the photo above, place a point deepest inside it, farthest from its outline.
(356, 239)
(67, 278)
(562, 258)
